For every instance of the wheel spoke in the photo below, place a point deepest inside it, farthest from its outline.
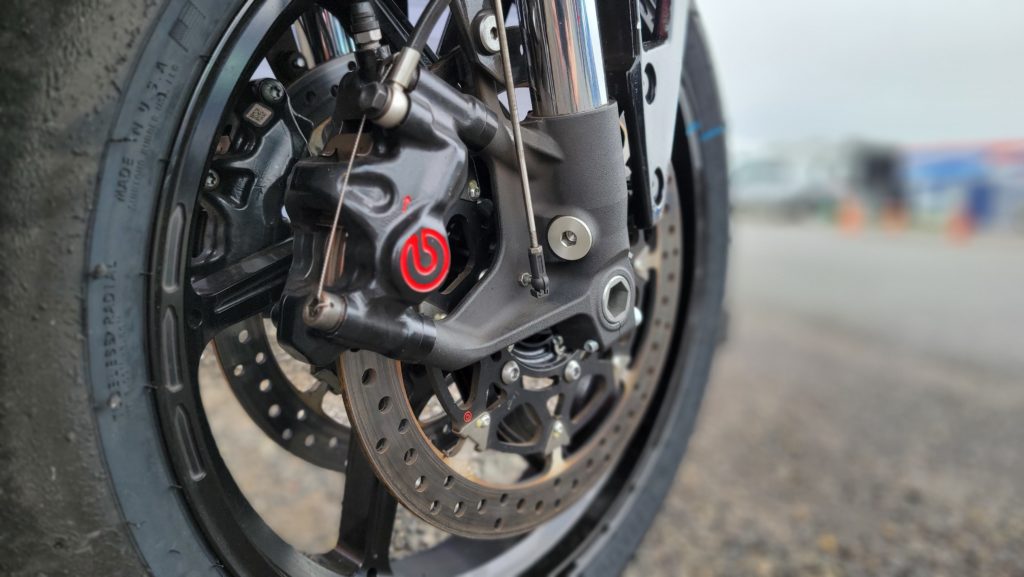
(367, 517)
(243, 289)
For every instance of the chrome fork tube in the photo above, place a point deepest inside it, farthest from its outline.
(566, 63)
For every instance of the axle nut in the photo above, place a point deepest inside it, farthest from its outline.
(617, 300)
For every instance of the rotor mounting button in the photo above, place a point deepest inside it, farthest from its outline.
(510, 373)
(569, 238)
(573, 371)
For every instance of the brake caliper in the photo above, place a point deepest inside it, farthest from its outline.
(396, 252)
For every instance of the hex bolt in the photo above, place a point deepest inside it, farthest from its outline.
(573, 371)
(212, 180)
(558, 429)
(569, 238)
(590, 346)
(271, 91)
(483, 421)
(487, 31)
(510, 372)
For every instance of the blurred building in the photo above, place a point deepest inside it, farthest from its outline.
(925, 186)
(984, 181)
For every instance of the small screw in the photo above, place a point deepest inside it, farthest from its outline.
(573, 371)
(510, 373)
(524, 279)
(558, 429)
(212, 180)
(483, 421)
(590, 346)
(272, 91)
(298, 62)
(474, 190)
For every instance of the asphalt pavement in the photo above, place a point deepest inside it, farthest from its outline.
(865, 417)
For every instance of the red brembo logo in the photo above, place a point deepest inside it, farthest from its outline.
(425, 260)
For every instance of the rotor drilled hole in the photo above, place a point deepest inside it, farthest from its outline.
(403, 426)
(410, 456)
(239, 369)
(264, 385)
(310, 439)
(421, 483)
(434, 507)
(459, 510)
(261, 358)
(448, 482)
(538, 507)
(558, 503)
(382, 445)
(480, 506)
(575, 483)
(332, 443)
(243, 336)
(504, 498)
(520, 505)
(384, 404)
(558, 482)
(369, 377)
(274, 411)
(498, 523)
(300, 415)
(286, 434)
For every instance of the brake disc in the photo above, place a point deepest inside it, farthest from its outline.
(294, 418)
(417, 464)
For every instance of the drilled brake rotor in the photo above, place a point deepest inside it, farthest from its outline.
(294, 418)
(423, 474)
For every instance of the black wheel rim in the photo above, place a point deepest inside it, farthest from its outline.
(179, 330)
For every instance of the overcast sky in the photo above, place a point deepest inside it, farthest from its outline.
(913, 71)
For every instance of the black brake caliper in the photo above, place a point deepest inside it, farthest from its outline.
(396, 250)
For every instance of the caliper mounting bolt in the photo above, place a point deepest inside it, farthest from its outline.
(510, 373)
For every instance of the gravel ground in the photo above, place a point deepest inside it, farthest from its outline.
(827, 446)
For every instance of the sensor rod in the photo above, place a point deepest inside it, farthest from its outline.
(538, 280)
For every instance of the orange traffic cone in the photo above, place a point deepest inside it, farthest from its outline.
(959, 228)
(851, 215)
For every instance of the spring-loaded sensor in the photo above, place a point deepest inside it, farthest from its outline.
(538, 276)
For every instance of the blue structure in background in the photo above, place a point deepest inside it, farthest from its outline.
(985, 181)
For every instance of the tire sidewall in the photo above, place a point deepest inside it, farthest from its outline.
(131, 176)
(653, 477)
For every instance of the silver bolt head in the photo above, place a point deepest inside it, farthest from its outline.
(212, 180)
(638, 316)
(483, 421)
(487, 31)
(590, 346)
(510, 373)
(474, 190)
(558, 429)
(573, 371)
(271, 91)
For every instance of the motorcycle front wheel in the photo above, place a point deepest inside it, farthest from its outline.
(100, 473)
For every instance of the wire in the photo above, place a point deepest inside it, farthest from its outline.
(425, 25)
